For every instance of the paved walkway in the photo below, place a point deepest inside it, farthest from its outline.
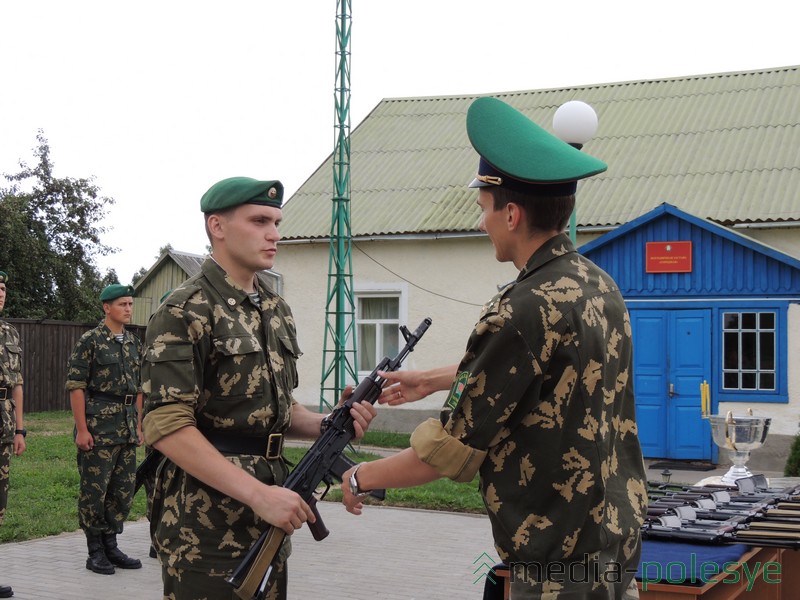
(386, 553)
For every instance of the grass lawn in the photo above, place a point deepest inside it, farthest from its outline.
(43, 494)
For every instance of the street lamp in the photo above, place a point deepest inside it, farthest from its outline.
(575, 122)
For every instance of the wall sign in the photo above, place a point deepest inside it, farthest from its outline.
(668, 257)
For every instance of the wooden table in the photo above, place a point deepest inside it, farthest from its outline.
(779, 582)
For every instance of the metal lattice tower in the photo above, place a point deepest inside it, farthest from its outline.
(339, 356)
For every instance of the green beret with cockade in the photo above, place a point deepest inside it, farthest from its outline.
(114, 291)
(234, 191)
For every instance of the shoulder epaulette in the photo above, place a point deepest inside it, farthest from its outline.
(181, 295)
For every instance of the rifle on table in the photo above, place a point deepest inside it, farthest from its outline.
(322, 463)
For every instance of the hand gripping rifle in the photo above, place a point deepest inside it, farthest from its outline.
(321, 464)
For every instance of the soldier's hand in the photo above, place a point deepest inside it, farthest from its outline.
(84, 441)
(362, 413)
(283, 508)
(19, 445)
(402, 387)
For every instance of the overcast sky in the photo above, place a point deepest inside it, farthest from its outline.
(157, 100)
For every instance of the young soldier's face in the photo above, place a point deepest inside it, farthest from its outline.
(251, 235)
(2, 296)
(120, 310)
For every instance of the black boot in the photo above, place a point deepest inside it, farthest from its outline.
(117, 556)
(97, 561)
(6, 591)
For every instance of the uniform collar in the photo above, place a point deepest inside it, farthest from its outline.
(556, 246)
(110, 334)
(232, 293)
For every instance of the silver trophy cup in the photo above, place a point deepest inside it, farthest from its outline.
(739, 436)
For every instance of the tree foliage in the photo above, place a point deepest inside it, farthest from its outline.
(50, 229)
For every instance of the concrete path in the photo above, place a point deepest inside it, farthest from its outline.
(386, 553)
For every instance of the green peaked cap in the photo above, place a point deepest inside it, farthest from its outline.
(522, 155)
(114, 291)
(234, 191)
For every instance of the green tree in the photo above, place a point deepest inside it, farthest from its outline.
(50, 231)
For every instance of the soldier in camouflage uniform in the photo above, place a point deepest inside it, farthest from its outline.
(219, 371)
(103, 381)
(12, 430)
(541, 405)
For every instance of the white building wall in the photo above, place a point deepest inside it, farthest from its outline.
(446, 279)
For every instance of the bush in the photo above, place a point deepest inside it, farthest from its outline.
(792, 468)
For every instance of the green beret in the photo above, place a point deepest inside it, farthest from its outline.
(114, 291)
(3, 277)
(518, 154)
(234, 191)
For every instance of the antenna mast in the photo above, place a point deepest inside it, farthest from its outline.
(339, 356)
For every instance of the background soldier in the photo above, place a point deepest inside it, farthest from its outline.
(12, 431)
(542, 402)
(219, 372)
(106, 400)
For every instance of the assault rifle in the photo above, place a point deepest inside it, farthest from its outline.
(251, 579)
(147, 469)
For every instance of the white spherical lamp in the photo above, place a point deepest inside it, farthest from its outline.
(575, 122)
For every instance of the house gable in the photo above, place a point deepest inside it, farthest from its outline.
(724, 263)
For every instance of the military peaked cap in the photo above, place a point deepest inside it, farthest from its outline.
(234, 191)
(518, 154)
(114, 291)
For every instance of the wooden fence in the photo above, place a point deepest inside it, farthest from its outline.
(46, 348)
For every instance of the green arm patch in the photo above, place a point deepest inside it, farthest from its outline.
(458, 388)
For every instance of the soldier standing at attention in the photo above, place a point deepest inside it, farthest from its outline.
(219, 372)
(103, 380)
(541, 404)
(12, 431)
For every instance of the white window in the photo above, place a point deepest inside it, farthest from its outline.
(379, 314)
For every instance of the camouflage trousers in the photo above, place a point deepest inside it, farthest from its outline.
(108, 474)
(609, 575)
(180, 584)
(6, 450)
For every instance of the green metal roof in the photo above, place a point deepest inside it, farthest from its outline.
(725, 147)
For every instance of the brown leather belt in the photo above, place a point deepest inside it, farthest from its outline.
(127, 400)
(270, 447)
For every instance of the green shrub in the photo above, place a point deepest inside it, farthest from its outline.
(792, 468)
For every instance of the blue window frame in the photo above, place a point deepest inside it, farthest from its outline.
(751, 352)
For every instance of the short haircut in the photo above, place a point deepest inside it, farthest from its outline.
(543, 213)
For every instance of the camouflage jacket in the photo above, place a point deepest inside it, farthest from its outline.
(546, 388)
(10, 376)
(99, 363)
(211, 347)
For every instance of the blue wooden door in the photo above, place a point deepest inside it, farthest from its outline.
(672, 356)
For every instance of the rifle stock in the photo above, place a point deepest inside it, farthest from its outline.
(323, 463)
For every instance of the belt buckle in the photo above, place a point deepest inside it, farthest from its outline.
(3, 393)
(128, 399)
(274, 445)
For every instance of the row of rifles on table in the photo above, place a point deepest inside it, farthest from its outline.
(749, 513)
